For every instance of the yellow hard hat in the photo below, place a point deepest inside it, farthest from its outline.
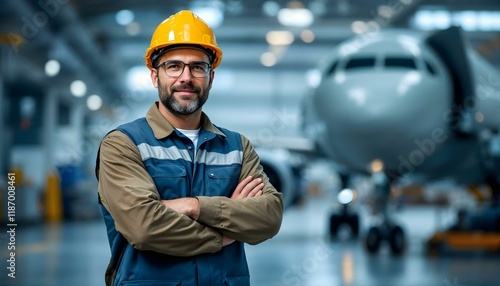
(183, 28)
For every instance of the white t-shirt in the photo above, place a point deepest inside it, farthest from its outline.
(193, 135)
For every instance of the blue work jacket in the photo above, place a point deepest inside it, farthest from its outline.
(178, 171)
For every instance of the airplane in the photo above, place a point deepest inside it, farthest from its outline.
(395, 106)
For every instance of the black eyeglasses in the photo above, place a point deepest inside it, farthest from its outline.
(176, 68)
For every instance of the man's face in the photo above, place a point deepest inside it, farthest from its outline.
(185, 94)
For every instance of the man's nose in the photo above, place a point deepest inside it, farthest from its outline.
(186, 74)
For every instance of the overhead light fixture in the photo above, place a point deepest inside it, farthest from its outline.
(124, 17)
(271, 8)
(78, 88)
(213, 15)
(307, 36)
(279, 38)
(376, 166)
(359, 27)
(385, 11)
(138, 78)
(94, 102)
(430, 19)
(133, 29)
(52, 68)
(268, 59)
(295, 17)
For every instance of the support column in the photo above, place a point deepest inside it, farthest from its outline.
(3, 155)
(7, 133)
(77, 123)
(50, 119)
(53, 198)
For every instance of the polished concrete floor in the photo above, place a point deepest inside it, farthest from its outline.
(76, 254)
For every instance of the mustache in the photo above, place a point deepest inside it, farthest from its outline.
(189, 87)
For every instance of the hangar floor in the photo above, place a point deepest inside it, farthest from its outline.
(77, 253)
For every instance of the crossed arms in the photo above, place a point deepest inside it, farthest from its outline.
(185, 226)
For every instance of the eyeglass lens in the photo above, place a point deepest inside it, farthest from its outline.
(175, 68)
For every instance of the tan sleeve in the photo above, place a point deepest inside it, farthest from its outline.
(128, 192)
(250, 220)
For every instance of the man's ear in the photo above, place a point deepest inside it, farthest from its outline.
(154, 77)
(212, 74)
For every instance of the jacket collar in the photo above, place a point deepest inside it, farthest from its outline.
(162, 128)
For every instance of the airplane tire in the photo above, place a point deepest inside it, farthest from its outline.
(335, 221)
(373, 239)
(397, 240)
(354, 223)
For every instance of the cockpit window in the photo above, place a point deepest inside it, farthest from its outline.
(430, 68)
(400, 62)
(357, 63)
(331, 70)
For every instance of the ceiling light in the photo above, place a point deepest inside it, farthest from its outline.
(124, 17)
(94, 102)
(297, 17)
(78, 88)
(385, 11)
(307, 36)
(428, 19)
(268, 59)
(270, 8)
(52, 68)
(279, 38)
(376, 166)
(138, 78)
(358, 27)
(212, 15)
(442, 19)
(133, 29)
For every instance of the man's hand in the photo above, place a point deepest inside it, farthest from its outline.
(185, 206)
(191, 206)
(248, 188)
(226, 241)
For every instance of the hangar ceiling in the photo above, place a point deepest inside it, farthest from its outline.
(85, 37)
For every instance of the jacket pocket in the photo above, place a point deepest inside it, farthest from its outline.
(150, 283)
(221, 180)
(170, 180)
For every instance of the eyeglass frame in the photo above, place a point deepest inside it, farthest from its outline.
(209, 67)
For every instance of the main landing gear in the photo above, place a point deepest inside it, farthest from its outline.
(384, 231)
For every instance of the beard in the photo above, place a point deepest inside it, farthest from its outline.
(176, 106)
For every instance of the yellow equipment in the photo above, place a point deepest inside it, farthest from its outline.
(53, 203)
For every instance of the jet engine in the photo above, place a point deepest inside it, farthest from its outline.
(283, 170)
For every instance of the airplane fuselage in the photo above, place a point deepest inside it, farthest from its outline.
(390, 97)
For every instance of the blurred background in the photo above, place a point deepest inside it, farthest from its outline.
(72, 70)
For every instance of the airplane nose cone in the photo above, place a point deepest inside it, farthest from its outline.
(367, 113)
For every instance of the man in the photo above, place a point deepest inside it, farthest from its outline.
(179, 195)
